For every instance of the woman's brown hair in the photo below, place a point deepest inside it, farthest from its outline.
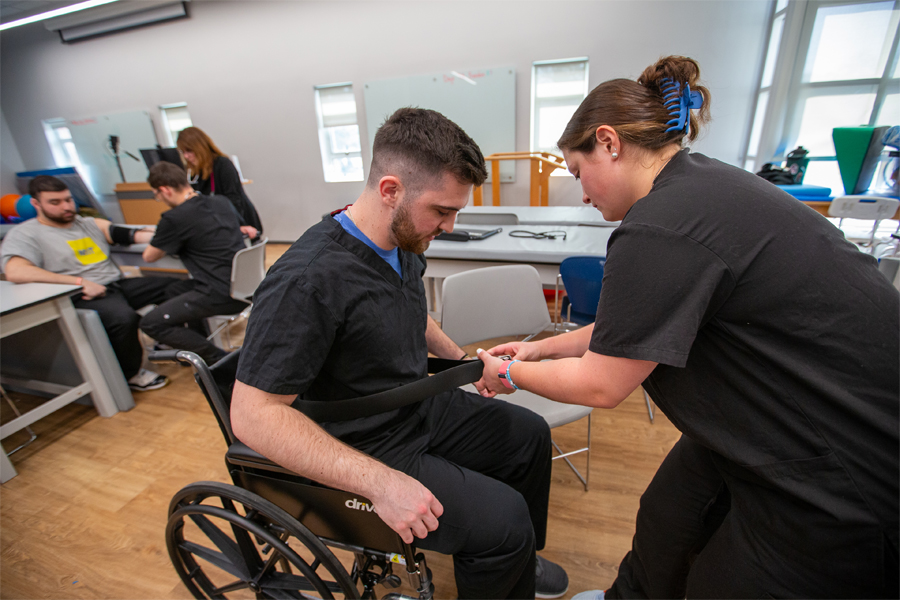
(635, 109)
(193, 139)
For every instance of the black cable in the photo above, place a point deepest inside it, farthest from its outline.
(538, 235)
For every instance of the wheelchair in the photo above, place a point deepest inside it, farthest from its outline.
(270, 534)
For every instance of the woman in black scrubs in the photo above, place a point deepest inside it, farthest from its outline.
(216, 174)
(770, 341)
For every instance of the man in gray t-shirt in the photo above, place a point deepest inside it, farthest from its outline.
(61, 247)
(80, 250)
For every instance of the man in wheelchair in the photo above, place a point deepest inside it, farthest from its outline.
(342, 314)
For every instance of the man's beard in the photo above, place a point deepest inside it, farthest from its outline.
(405, 234)
(63, 219)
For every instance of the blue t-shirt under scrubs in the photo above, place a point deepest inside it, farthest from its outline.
(391, 256)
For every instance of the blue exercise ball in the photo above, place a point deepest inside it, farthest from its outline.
(25, 209)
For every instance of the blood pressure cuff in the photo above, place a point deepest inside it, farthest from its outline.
(448, 374)
(121, 236)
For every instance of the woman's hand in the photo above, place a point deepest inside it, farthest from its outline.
(518, 350)
(490, 385)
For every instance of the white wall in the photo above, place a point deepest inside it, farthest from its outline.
(10, 160)
(247, 71)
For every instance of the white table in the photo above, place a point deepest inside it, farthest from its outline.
(132, 256)
(27, 305)
(546, 215)
(448, 258)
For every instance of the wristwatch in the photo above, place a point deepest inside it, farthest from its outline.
(504, 374)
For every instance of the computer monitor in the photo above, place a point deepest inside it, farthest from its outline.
(154, 155)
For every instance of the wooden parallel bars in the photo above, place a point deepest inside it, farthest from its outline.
(542, 164)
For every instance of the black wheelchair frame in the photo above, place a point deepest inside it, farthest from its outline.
(269, 534)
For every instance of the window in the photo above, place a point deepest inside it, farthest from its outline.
(175, 117)
(61, 145)
(339, 133)
(557, 89)
(828, 64)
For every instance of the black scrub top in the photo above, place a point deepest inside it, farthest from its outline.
(332, 320)
(778, 343)
(225, 181)
(205, 233)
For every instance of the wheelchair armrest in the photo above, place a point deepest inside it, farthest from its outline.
(179, 356)
(242, 455)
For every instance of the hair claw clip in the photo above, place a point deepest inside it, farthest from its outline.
(678, 102)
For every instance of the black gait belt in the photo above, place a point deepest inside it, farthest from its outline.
(448, 374)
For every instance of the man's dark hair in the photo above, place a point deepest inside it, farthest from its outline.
(419, 145)
(45, 183)
(169, 175)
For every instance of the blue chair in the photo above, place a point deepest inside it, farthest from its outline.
(582, 278)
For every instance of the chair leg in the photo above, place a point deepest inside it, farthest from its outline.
(557, 317)
(649, 406)
(222, 326)
(872, 237)
(587, 474)
(586, 478)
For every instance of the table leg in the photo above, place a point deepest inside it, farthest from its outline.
(84, 358)
(7, 471)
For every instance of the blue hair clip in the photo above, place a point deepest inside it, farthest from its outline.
(678, 102)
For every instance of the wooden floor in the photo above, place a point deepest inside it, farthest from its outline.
(86, 516)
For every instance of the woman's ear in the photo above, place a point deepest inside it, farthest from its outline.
(608, 139)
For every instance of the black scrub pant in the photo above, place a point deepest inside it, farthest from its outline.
(116, 310)
(488, 463)
(682, 507)
(178, 322)
(701, 534)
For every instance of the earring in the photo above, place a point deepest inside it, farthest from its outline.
(615, 154)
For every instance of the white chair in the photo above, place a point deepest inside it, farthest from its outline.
(874, 208)
(495, 302)
(248, 269)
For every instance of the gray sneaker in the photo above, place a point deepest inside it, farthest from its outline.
(550, 579)
(591, 595)
(147, 380)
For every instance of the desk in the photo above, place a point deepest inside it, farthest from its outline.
(132, 256)
(138, 203)
(23, 306)
(822, 209)
(448, 258)
(546, 215)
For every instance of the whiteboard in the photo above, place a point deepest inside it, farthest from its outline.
(481, 101)
(91, 138)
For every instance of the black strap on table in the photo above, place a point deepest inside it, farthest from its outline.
(449, 374)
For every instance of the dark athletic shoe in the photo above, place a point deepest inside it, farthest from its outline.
(550, 579)
(147, 380)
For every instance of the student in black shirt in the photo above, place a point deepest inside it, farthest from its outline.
(770, 341)
(205, 233)
(216, 173)
(342, 314)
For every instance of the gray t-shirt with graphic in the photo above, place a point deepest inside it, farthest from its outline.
(80, 250)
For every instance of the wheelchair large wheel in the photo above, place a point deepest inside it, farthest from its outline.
(226, 542)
